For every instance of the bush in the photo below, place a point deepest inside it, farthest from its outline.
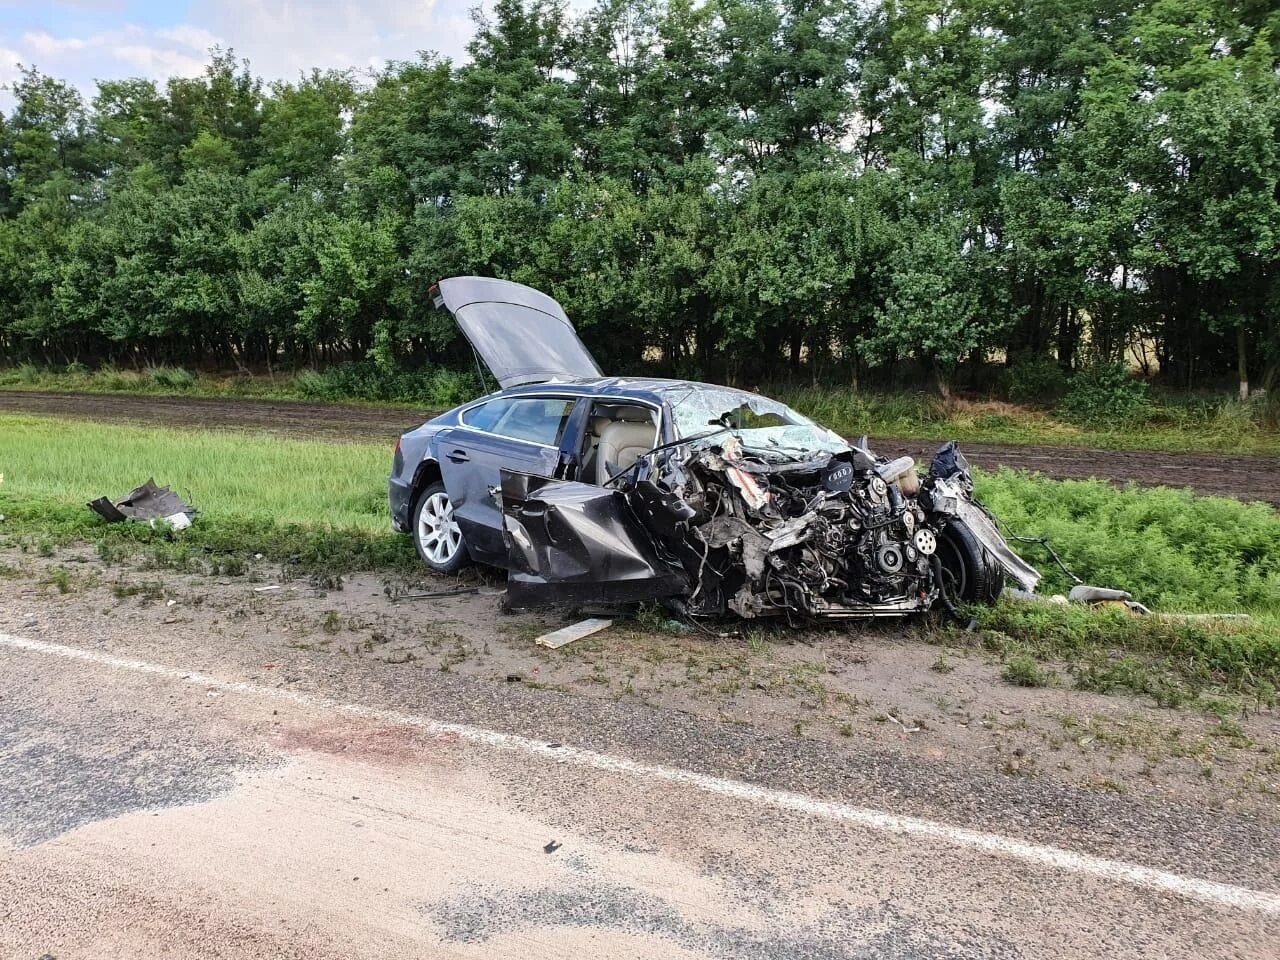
(1023, 671)
(1105, 393)
(175, 378)
(850, 412)
(1031, 379)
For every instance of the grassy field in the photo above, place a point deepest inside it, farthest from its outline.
(226, 474)
(1167, 423)
(321, 509)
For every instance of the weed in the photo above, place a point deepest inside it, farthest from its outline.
(1162, 657)
(1105, 783)
(653, 618)
(1034, 379)
(175, 378)
(146, 589)
(942, 664)
(331, 622)
(649, 617)
(111, 553)
(1105, 394)
(1233, 731)
(1023, 671)
(229, 565)
(59, 577)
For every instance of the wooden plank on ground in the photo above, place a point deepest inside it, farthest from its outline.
(575, 631)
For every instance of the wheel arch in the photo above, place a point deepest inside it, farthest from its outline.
(427, 473)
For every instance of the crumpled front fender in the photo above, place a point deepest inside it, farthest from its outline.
(950, 498)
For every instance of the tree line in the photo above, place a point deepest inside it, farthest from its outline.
(726, 188)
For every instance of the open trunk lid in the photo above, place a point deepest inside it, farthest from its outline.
(522, 335)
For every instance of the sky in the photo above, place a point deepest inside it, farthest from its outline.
(84, 40)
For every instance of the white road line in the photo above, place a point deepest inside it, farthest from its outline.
(1205, 891)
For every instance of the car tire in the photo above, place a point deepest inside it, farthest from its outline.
(436, 535)
(971, 575)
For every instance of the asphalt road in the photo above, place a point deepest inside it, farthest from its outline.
(188, 798)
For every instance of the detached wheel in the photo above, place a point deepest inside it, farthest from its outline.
(970, 575)
(436, 534)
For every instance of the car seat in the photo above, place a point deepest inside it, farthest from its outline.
(621, 443)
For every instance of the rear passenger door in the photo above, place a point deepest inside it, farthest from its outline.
(519, 433)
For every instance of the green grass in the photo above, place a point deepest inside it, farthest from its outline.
(1166, 657)
(1174, 422)
(226, 474)
(1177, 553)
(1023, 671)
(356, 383)
(318, 508)
(1174, 551)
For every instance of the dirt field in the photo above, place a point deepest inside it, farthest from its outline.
(1245, 477)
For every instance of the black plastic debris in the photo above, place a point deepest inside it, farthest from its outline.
(148, 503)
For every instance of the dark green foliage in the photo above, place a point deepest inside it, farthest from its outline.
(733, 190)
(1171, 550)
(1034, 379)
(435, 389)
(1106, 392)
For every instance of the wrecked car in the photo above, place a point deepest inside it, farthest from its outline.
(590, 489)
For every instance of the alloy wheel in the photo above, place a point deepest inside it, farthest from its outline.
(438, 532)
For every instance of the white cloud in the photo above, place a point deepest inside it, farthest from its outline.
(158, 62)
(49, 46)
(9, 60)
(282, 39)
(197, 38)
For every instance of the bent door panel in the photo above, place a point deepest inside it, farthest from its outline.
(573, 542)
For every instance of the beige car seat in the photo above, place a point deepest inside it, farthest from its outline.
(621, 444)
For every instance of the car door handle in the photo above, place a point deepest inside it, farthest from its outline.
(458, 456)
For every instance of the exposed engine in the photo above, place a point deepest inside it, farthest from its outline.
(849, 535)
(713, 529)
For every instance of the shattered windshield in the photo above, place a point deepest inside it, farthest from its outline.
(764, 427)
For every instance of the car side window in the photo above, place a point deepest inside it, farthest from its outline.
(536, 419)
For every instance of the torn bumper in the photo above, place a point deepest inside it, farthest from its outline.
(148, 502)
(399, 495)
